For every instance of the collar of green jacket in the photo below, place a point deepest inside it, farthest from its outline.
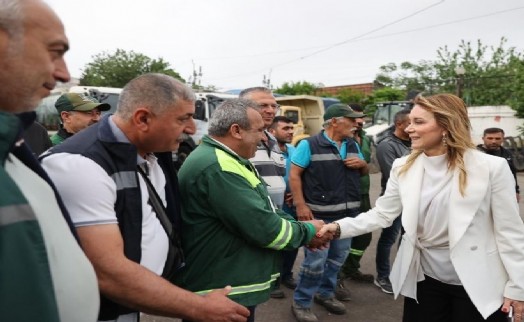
(10, 133)
(209, 141)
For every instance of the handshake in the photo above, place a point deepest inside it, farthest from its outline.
(324, 234)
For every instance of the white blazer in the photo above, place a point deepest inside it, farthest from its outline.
(486, 233)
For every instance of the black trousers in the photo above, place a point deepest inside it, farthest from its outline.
(441, 302)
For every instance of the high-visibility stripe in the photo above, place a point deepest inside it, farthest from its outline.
(330, 157)
(229, 164)
(337, 207)
(324, 157)
(242, 289)
(283, 237)
(125, 179)
(16, 213)
(356, 252)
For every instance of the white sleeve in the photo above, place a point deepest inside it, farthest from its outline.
(387, 208)
(89, 194)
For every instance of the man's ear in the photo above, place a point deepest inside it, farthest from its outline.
(235, 130)
(142, 118)
(64, 116)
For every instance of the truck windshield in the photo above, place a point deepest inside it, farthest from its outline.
(213, 102)
(46, 113)
(386, 112)
(292, 115)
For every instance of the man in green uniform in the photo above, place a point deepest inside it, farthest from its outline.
(231, 230)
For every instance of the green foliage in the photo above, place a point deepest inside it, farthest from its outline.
(298, 88)
(494, 75)
(387, 94)
(349, 96)
(117, 69)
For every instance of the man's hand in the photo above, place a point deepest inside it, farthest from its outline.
(318, 224)
(304, 213)
(320, 242)
(355, 163)
(288, 199)
(219, 308)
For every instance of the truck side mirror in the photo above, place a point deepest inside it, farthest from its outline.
(200, 111)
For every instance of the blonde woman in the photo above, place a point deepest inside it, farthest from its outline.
(462, 255)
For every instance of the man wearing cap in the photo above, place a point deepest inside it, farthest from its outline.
(77, 111)
(325, 182)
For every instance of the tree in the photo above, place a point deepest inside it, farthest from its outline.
(349, 96)
(298, 88)
(493, 74)
(116, 70)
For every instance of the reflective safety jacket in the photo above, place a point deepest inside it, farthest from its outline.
(231, 232)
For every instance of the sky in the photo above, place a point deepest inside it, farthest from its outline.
(237, 43)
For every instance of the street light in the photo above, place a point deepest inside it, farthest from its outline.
(460, 71)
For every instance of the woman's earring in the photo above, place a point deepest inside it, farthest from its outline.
(444, 139)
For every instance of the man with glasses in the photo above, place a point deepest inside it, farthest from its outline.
(269, 160)
(77, 111)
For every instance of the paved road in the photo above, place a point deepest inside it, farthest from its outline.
(368, 304)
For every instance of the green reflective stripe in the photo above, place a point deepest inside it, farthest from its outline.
(229, 164)
(356, 252)
(283, 236)
(16, 213)
(242, 289)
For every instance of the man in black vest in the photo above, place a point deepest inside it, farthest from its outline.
(118, 181)
(325, 183)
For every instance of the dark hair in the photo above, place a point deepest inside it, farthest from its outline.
(280, 118)
(401, 115)
(491, 130)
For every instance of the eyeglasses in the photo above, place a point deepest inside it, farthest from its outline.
(275, 107)
(91, 113)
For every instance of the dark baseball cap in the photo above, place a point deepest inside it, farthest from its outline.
(79, 102)
(339, 110)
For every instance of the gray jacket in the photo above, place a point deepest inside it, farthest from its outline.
(388, 149)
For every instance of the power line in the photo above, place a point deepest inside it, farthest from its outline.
(347, 40)
(359, 38)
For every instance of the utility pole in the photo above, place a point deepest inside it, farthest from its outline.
(267, 80)
(460, 71)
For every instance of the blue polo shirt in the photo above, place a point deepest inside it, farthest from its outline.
(302, 154)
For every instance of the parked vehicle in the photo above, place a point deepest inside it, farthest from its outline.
(306, 112)
(205, 105)
(47, 115)
(383, 118)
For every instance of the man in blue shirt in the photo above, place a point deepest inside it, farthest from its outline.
(325, 182)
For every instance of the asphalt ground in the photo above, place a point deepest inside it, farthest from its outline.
(368, 303)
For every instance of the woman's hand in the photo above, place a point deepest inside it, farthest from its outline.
(518, 307)
(332, 228)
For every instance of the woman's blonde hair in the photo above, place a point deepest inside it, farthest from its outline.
(451, 114)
